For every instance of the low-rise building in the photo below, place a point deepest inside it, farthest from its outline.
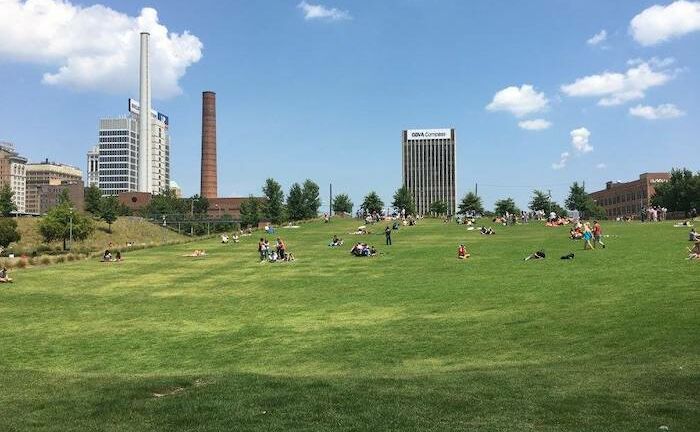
(48, 195)
(49, 174)
(627, 199)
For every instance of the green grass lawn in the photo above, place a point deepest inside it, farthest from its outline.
(413, 339)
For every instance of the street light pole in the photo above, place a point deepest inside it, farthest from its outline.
(70, 230)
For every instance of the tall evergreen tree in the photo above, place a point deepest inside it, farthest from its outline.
(250, 212)
(540, 201)
(403, 200)
(372, 203)
(274, 204)
(506, 205)
(93, 200)
(438, 207)
(7, 205)
(312, 199)
(471, 203)
(295, 203)
(342, 203)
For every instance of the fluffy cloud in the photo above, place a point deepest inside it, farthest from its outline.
(579, 140)
(658, 23)
(663, 111)
(535, 125)
(563, 159)
(519, 101)
(95, 47)
(599, 37)
(618, 88)
(321, 12)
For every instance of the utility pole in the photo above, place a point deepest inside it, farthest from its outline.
(476, 189)
(330, 202)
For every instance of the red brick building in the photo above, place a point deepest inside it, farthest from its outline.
(627, 199)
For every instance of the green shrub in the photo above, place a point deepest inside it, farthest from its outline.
(59, 259)
(45, 260)
(22, 263)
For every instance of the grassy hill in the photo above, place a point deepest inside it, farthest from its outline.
(412, 339)
(125, 229)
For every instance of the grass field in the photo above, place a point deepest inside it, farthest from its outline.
(413, 339)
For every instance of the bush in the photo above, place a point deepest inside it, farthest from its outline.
(45, 260)
(22, 263)
(70, 257)
(59, 259)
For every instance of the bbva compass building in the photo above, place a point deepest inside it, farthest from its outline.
(429, 167)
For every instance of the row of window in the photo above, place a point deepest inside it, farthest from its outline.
(632, 196)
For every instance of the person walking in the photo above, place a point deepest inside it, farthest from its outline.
(597, 235)
(387, 233)
(587, 237)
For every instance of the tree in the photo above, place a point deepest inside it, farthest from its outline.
(199, 205)
(342, 204)
(93, 200)
(7, 205)
(372, 203)
(579, 200)
(438, 207)
(295, 202)
(8, 232)
(680, 193)
(403, 200)
(471, 203)
(109, 210)
(56, 225)
(541, 201)
(312, 199)
(274, 205)
(506, 205)
(250, 212)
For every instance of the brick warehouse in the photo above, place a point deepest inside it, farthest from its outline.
(627, 199)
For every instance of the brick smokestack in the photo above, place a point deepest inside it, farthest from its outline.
(208, 171)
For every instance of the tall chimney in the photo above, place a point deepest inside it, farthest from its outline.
(144, 163)
(208, 171)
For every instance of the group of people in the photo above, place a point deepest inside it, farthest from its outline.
(225, 238)
(108, 257)
(694, 252)
(591, 236)
(363, 250)
(654, 214)
(278, 253)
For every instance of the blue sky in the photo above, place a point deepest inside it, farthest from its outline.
(324, 92)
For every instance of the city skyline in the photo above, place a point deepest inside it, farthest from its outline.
(328, 93)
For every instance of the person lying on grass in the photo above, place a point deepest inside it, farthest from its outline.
(462, 252)
(487, 231)
(693, 236)
(197, 253)
(4, 276)
(694, 253)
(536, 255)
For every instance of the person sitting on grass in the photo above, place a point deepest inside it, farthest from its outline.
(335, 242)
(273, 256)
(288, 257)
(462, 252)
(693, 236)
(694, 253)
(118, 256)
(362, 250)
(224, 238)
(107, 256)
(235, 238)
(536, 255)
(575, 234)
(4, 276)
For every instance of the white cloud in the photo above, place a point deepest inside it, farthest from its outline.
(658, 23)
(663, 111)
(519, 101)
(597, 38)
(321, 12)
(579, 140)
(601, 166)
(536, 124)
(95, 47)
(618, 88)
(563, 159)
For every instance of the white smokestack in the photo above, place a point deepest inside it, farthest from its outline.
(144, 165)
